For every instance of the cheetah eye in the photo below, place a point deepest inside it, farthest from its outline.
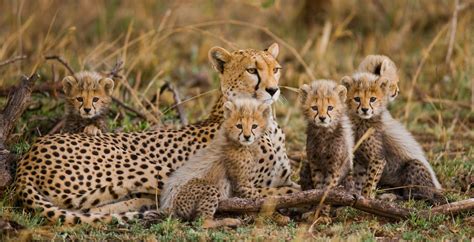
(276, 70)
(254, 126)
(357, 99)
(80, 99)
(372, 99)
(239, 126)
(315, 108)
(252, 71)
(330, 108)
(95, 99)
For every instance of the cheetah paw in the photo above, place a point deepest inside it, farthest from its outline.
(280, 219)
(92, 130)
(226, 222)
(389, 197)
(322, 219)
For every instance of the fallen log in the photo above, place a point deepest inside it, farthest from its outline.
(339, 197)
(16, 104)
(311, 197)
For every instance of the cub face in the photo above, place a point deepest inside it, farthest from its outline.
(246, 120)
(367, 94)
(88, 93)
(248, 73)
(323, 102)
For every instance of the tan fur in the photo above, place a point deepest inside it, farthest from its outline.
(390, 156)
(224, 165)
(66, 173)
(381, 65)
(329, 142)
(87, 96)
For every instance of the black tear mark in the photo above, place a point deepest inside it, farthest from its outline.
(258, 78)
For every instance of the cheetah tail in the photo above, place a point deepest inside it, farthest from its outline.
(68, 217)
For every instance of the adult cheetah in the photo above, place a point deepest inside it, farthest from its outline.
(79, 178)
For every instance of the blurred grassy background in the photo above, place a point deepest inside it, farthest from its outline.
(167, 41)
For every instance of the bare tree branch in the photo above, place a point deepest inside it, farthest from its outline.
(179, 108)
(60, 60)
(12, 60)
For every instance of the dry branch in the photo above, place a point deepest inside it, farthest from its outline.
(60, 60)
(16, 104)
(177, 100)
(13, 60)
(452, 208)
(311, 197)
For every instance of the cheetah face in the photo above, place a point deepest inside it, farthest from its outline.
(246, 120)
(323, 102)
(368, 94)
(88, 94)
(248, 73)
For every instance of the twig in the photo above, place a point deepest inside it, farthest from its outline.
(177, 101)
(59, 125)
(114, 73)
(451, 208)
(133, 110)
(60, 60)
(12, 60)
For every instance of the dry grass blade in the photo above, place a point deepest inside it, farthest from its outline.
(177, 101)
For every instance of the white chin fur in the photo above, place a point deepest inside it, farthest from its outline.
(321, 124)
(365, 116)
(246, 143)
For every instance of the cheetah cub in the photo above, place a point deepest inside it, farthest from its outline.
(222, 169)
(381, 65)
(390, 156)
(87, 102)
(329, 139)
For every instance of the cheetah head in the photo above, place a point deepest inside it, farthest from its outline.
(381, 65)
(323, 102)
(248, 73)
(246, 119)
(87, 93)
(367, 94)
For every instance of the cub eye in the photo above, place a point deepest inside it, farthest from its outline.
(254, 126)
(315, 108)
(357, 99)
(239, 126)
(80, 99)
(252, 71)
(372, 99)
(276, 70)
(330, 108)
(95, 99)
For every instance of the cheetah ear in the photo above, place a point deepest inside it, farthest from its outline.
(68, 83)
(384, 84)
(218, 57)
(229, 107)
(274, 49)
(265, 109)
(341, 92)
(107, 84)
(304, 91)
(347, 81)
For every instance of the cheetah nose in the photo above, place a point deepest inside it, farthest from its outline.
(247, 137)
(87, 110)
(322, 119)
(364, 110)
(272, 90)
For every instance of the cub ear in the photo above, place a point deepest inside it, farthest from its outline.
(265, 109)
(347, 81)
(384, 84)
(107, 84)
(229, 107)
(304, 91)
(68, 83)
(273, 49)
(218, 57)
(341, 92)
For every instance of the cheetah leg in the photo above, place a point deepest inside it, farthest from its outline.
(92, 130)
(109, 194)
(131, 205)
(375, 170)
(424, 189)
(360, 177)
